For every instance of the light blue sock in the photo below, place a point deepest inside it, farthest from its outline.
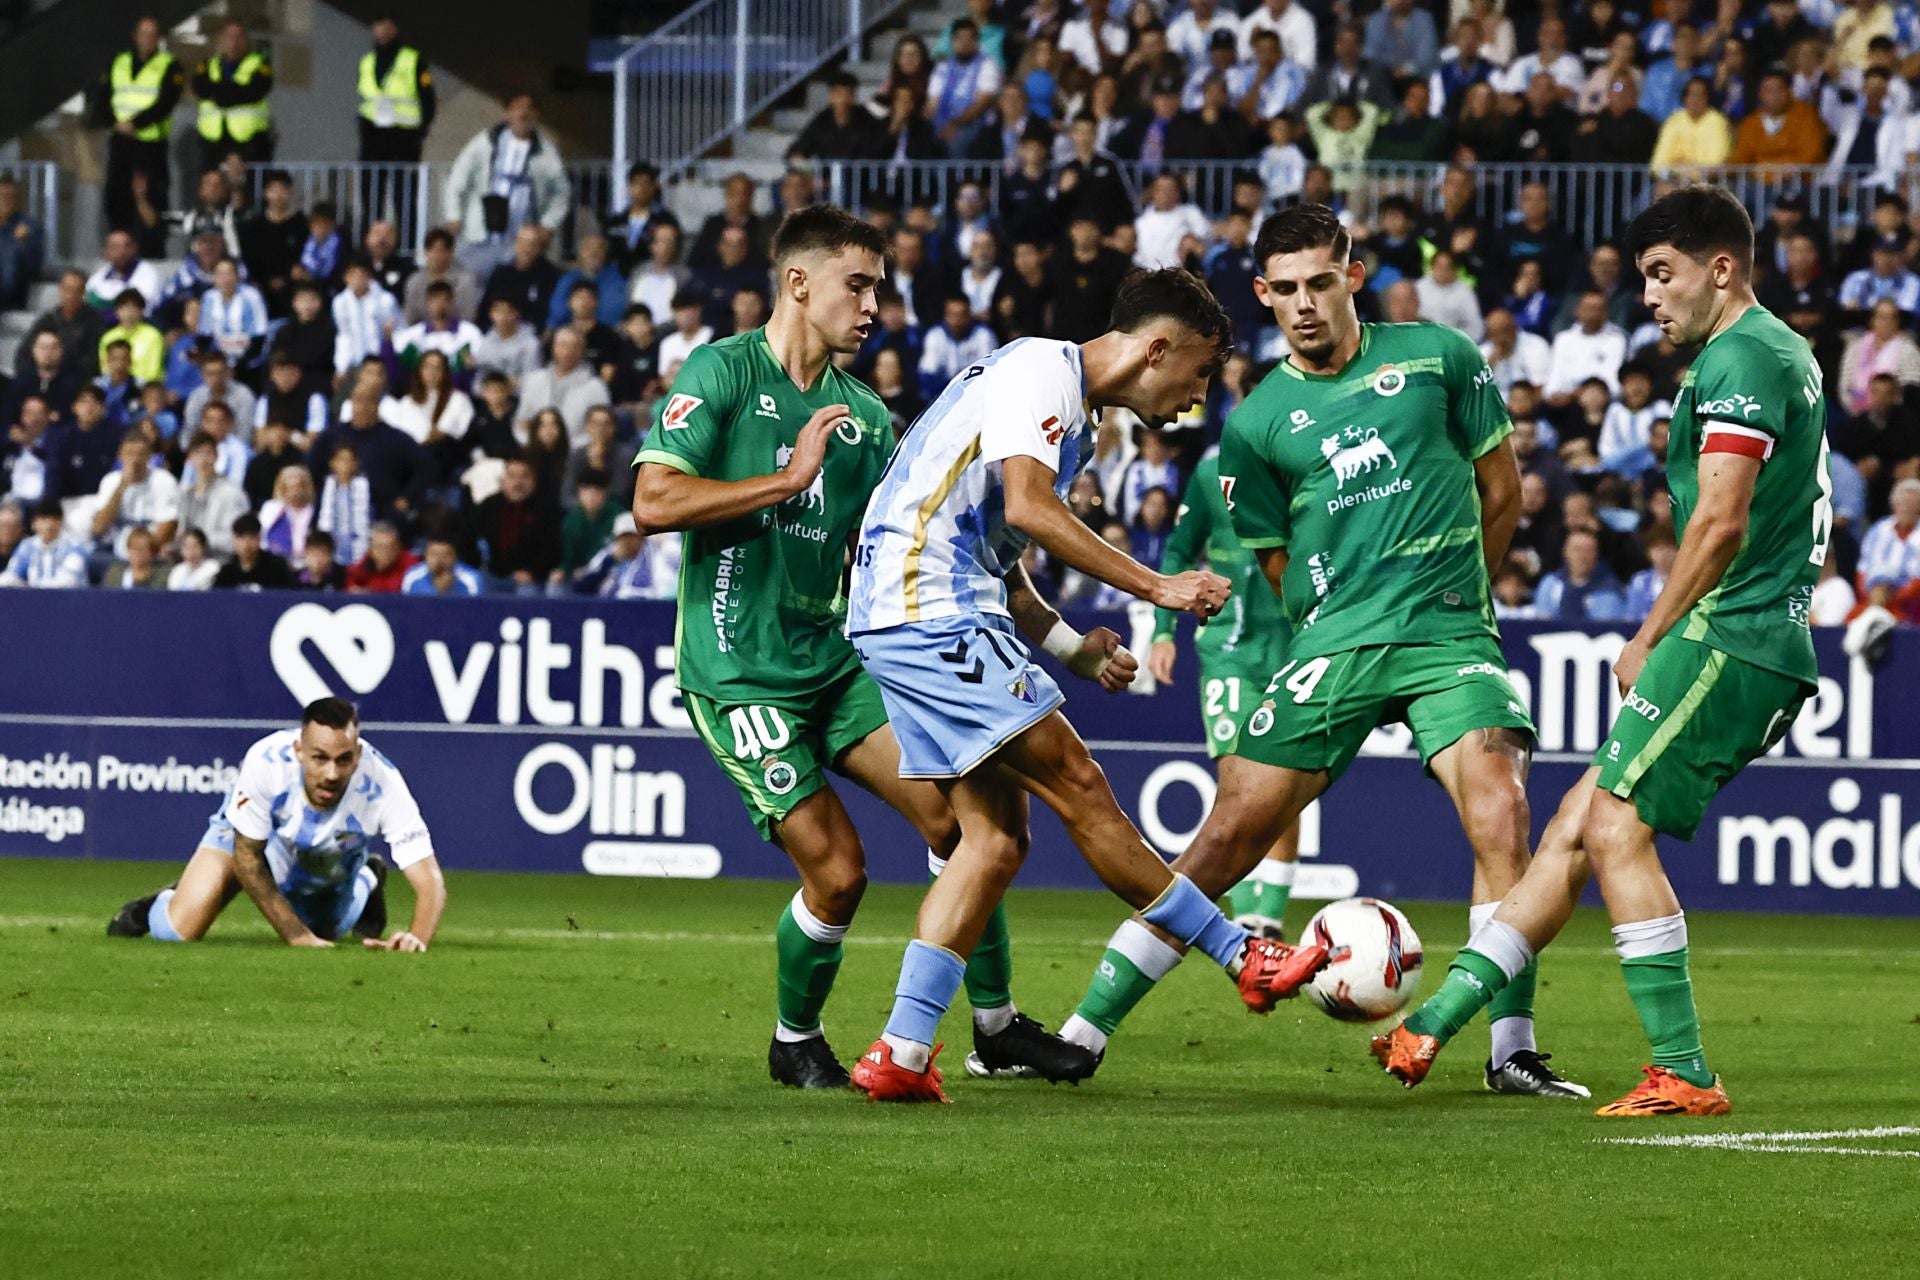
(356, 904)
(1192, 917)
(158, 926)
(929, 978)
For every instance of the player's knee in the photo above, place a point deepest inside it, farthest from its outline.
(1607, 834)
(838, 887)
(1081, 775)
(1005, 851)
(1496, 820)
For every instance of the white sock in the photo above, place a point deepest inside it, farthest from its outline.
(910, 1054)
(1654, 937)
(813, 926)
(787, 1035)
(1274, 872)
(935, 863)
(1507, 947)
(1078, 1030)
(994, 1021)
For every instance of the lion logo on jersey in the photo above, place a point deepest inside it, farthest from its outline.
(815, 495)
(1367, 452)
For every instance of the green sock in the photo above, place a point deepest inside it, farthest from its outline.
(1515, 1000)
(989, 974)
(1243, 899)
(1472, 982)
(806, 970)
(1662, 994)
(1257, 897)
(1118, 985)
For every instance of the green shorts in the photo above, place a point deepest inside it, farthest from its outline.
(777, 754)
(1693, 719)
(1231, 684)
(1315, 714)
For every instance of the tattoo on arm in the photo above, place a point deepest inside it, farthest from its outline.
(256, 877)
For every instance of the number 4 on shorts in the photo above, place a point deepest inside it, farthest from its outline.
(1302, 682)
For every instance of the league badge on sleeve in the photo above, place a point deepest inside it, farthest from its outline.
(674, 418)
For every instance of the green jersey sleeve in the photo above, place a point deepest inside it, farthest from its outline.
(1476, 415)
(688, 426)
(1252, 487)
(1742, 389)
(1187, 544)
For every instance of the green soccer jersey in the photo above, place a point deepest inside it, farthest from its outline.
(1755, 389)
(761, 606)
(1366, 477)
(1204, 534)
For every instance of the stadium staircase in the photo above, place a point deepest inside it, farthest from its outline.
(760, 150)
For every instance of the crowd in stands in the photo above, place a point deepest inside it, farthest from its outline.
(299, 402)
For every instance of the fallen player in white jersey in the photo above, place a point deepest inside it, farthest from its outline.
(297, 834)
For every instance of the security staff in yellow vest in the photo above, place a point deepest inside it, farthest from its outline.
(235, 118)
(136, 97)
(396, 109)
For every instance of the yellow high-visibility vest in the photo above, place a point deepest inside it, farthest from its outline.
(394, 103)
(134, 93)
(242, 123)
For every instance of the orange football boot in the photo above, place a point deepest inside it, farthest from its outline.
(1273, 971)
(1663, 1093)
(883, 1080)
(1406, 1057)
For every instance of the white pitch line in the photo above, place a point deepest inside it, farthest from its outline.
(1787, 1142)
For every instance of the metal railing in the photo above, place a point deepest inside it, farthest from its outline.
(40, 197)
(1593, 203)
(700, 78)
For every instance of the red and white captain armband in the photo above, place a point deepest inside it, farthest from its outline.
(1728, 437)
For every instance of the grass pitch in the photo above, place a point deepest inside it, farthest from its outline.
(573, 1083)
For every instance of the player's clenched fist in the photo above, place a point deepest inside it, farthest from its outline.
(810, 448)
(1196, 591)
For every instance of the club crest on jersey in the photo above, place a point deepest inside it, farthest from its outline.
(1223, 729)
(781, 777)
(848, 430)
(814, 496)
(1261, 722)
(675, 416)
(769, 408)
(1388, 381)
(1022, 688)
(1363, 451)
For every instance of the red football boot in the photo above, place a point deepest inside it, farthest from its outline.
(1273, 971)
(883, 1080)
(1405, 1056)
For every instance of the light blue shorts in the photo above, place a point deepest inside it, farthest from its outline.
(957, 689)
(328, 907)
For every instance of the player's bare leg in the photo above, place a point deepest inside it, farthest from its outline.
(819, 836)
(184, 911)
(1485, 774)
(1005, 1041)
(1254, 805)
(1259, 902)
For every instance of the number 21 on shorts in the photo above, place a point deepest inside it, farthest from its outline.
(1302, 682)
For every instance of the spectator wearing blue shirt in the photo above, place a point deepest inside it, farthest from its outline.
(233, 315)
(1652, 580)
(320, 253)
(85, 447)
(1403, 39)
(49, 558)
(23, 247)
(1887, 280)
(1227, 267)
(119, 392)
(1666, 79)
(957, 343)
(1582, 589)
(593, 268)
(440, 574)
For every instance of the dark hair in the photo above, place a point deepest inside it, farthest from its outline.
(646, 167)
(202, 439)
(578, 285)
(824, 228)
(1697, 220)
(48, 509)
(117, 343)
(439, 236)
(246, 526)
(963, 24)
(596, 477)
(130, 295)
(1176, 294)
(357, 262)
(329, 713)
(440, 289)
(87, 391)
(842, 80)
(1298, 228)
(276, 176)
(324, 209)
(322, 539)
(221, 405)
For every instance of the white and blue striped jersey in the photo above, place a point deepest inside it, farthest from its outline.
(269, 802)
(935, 541)
(1888, 558)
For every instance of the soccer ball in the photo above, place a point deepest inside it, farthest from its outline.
(1373, 960)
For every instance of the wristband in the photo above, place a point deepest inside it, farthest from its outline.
(1062, 641)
